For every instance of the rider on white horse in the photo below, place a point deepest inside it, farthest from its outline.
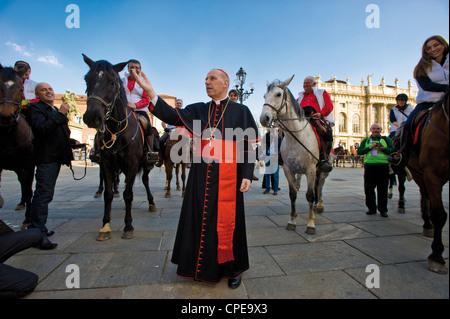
(317, 104)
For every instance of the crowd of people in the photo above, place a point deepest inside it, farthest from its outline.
(214, 199)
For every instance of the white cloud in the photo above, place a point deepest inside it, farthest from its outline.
(50, 59)
(19, 48)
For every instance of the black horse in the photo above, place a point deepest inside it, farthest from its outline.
(122, 142)
(16, 137)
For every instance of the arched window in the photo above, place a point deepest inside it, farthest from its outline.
(356, 123)
(342, 120)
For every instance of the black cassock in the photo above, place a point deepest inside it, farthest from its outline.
(213, 206)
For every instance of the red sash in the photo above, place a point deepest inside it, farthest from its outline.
(226, 205)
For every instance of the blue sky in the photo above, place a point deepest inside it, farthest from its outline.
(178, 42)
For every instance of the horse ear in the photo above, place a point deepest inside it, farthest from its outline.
(119, 66)
(87, 60)
(1, 66)
(286, 83)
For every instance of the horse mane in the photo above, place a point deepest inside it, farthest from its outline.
(438, 105)
(298, 110)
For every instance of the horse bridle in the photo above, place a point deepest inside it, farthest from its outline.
(16, 112)
(283, 104)
(108, 106)
(283, 126)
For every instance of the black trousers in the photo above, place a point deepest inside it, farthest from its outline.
(15, 283)
(376, 177)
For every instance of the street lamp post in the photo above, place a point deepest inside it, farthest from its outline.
(239, 84)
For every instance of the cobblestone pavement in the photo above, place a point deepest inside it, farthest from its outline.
(334, 263)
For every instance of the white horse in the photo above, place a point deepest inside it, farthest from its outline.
(299, 148)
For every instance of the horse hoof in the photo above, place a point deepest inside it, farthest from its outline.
(117, 195)
(20, 206)
(310, 231)
(428, 232)
(24, 226)
(291, 227)
(401, 210)
(104, 236)
(437, 267)
(167, 195)
(128, 234)
(98, 195)
(178, 188)
(152, 208)
(320, 209)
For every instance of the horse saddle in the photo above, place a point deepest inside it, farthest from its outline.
(418, 124)
(143, 122)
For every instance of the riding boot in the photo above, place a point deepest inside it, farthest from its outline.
(162, 150)
(152, 157)
(401, 157)
(324, 163)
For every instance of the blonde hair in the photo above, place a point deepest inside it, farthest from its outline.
(424, 64)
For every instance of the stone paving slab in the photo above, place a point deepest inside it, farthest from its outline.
(407, 280)
(316, 285)
(283, 264)
(110, 269)
(394, 249)
(322, 256)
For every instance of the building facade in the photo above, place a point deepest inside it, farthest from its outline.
(357, 107)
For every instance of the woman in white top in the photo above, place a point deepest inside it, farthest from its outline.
(431, 74)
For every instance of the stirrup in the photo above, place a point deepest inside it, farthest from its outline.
(393, 160)
(152, 157)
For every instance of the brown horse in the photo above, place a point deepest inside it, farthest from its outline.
(174, 156)
(341, 156)
(430, 172)
(16, 137)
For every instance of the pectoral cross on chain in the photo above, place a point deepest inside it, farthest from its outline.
(211, 138)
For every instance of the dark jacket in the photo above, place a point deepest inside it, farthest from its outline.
(51, 135)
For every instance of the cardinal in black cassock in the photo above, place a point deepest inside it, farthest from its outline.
(211, 238)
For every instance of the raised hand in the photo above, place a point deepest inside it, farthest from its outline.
(144, 83)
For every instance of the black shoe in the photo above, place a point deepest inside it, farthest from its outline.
(50, 233)
(384, 214)
(152, 157)
(47, 244)
(371, 212)
(234, 283)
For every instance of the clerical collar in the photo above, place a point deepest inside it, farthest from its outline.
(217, 102)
